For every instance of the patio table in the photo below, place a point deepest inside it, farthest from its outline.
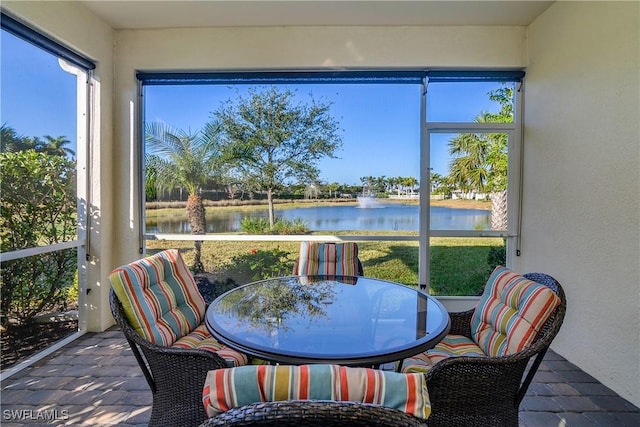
(351, 321)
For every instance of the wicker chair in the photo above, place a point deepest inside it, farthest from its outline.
(174, 375)
(156, 303)
(303, 413)
(487, 391)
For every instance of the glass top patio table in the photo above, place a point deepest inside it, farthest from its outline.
(352, 321)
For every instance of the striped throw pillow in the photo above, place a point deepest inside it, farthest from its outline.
(510, 312)
(328, 259)
(159, 297)
(232, 387)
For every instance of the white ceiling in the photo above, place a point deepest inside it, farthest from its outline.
(142, 14)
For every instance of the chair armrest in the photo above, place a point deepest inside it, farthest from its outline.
(461, 323)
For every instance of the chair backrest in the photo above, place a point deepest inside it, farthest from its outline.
(159, 297)
(511, 312)
(328, 259)
(314, 413)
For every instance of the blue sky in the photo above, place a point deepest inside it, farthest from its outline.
(381, 123)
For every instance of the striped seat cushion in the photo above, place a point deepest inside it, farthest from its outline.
(329, 259)
(159, 296)
(450, 346)
(506, 319)
(162, 303)
(510, 312)
(201, 339)
(229, 388)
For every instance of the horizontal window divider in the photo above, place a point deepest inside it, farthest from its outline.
(24, 253)
(469, 233)
(280, 238)
(464, 127)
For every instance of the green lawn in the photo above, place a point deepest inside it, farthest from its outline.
(459, 266)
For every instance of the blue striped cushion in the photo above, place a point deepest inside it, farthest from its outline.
(328, 259)
(450, 346)
(510, 312)
(229, 388)
(159, 297)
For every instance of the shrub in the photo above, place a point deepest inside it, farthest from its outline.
(497, 256)
(296, 226)
(252, 225)
(38, 208)
(262, 264)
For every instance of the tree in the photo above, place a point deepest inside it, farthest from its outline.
(480, 160)
(11, 141)
(56, 146)
(271, 140)
(184, 160)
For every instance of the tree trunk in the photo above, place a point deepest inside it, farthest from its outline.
(272, 216)
(499, 210)
(197, 222)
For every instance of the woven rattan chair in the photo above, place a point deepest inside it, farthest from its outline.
(487, 391)
(303, 413)
(174, 375)
(157, 305)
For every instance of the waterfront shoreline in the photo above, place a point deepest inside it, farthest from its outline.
(290, 204)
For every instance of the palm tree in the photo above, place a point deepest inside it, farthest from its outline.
(56, 146)
(185, 160)
(10, 141)
(480, 160)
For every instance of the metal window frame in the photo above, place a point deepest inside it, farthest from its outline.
(362, 77)
(81, 67)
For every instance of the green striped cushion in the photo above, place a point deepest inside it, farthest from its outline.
(329, 259)
(510, 312)
(201, 339)
(450, 346)
(229, 388)
(159, 296)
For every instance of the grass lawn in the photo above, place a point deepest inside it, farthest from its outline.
(458, 266)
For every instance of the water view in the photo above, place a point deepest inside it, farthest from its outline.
(391, 217)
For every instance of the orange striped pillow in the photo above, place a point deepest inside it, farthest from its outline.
(232, 387)
(510, 312)
(159, 297)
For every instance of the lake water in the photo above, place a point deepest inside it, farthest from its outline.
(390, 217)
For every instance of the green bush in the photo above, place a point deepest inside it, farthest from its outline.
(251, 225)
(296, 226)
(262, 264)
(497, 256)
(38, 208)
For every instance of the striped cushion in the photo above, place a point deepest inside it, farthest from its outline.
(201, 339)
(159, 296)
(510, 312)
(229, 388)
(450, 346)
(330, 259)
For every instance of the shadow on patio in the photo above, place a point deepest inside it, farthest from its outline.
(96, 381)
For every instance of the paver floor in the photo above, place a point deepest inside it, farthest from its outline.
(96, 381)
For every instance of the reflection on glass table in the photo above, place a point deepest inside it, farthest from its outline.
(353, 321)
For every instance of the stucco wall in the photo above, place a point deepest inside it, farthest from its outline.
(77, 28)
(581, 181)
